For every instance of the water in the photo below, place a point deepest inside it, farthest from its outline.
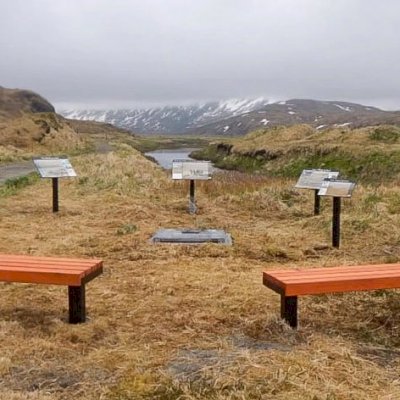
(164, 157)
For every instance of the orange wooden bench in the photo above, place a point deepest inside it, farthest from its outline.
(297, 282)
(73, 272)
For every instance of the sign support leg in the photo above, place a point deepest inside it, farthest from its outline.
(76, 304)
(55, 194)
(192, 204)
(317, 202)
(289, 310)
(336, 222)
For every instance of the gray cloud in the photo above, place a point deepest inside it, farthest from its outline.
(102, 52)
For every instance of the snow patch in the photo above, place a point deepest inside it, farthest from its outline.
(264, 121)
(226, 128)
(320, 127)
(344, 108)
(291, 112)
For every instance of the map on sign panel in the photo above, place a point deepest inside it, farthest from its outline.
(51, 167)
(189, 169)
(337, 188)
(313, 178)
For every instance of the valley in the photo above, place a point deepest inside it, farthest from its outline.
(194, 322)
(237, 117)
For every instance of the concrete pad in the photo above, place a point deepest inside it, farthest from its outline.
(191, 236)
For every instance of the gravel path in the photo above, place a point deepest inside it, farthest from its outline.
(15, 170)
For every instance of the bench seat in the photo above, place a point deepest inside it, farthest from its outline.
(297, 282)
(72, 272)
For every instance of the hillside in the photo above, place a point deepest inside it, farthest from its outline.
(14, 102)
(369, 154)
(195, 322)
(169, 119)
(238, 117)
(319, 114)
(95, 127)
(29, 126)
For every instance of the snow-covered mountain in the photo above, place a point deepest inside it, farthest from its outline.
(237, 117)
(169, 119)
(319, 114)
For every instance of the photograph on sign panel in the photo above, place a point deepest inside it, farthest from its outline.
(196, 170)
(337, 189)
(313, 178)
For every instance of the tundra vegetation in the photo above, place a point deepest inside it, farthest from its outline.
(195, 322)
(370, 154)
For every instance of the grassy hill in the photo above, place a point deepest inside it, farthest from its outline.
(195, 322)
(29, 125)
(370, 154)
(14, 102)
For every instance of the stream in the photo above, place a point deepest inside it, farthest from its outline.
(164, 157)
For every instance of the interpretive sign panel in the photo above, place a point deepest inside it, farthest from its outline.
(337, 188)
(189, 169)
(54, 167)
(313, 178)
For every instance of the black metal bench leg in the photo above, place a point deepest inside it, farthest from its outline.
(77, 307)
(289, 310)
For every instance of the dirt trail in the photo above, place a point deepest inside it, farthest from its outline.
(15, 170)
(103, 147)
(18, 169)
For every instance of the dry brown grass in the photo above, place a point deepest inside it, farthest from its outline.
(305, 138)
(36, 134)
(195, 322)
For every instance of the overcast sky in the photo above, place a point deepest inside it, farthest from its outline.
(113, 53)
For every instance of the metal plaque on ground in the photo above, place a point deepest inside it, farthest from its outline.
(189, 169)
(191, 236)
(54, 167)
(313, 178)
(337, 188)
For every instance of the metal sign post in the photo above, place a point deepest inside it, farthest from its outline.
(317, 202)
(55, 194)
(336, 222)
(54, 168)
(191, 170)
(336, 189)
(192, 201)
(312, 179)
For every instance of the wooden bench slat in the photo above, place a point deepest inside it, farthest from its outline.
(38, 270)
(329, 280)
(342, 286)
(329, 270)
(45, 263)
(57, 271)
(29, 258)
(49, 277)
(36, 264)
(338, 276)
(319, 287)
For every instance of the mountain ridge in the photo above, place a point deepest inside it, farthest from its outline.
(169, 119)
(239, 116)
